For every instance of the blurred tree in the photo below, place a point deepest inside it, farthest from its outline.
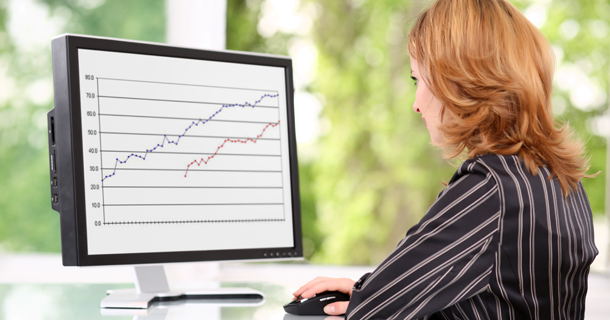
(27, 222)
(376, 173)
(242, 19)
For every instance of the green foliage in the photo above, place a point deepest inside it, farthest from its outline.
(376, 173)
(241, 27)
(27, 222)
(312, 236)
(127, 19)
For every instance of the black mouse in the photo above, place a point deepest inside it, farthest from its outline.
(315, 305)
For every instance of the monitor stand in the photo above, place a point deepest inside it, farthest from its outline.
(152, 286)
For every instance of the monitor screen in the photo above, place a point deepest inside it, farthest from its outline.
(166, 154)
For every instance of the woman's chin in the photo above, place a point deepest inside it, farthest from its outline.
(435, 141)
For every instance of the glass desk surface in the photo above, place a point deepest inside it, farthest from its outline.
(82, 301)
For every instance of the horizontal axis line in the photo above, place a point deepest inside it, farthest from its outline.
(213, 170)
(187, 84)
(177, 118)
(190, 204)
(194, 221)
(180, 101)
(189, 136)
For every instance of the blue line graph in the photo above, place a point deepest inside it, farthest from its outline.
(193, 123)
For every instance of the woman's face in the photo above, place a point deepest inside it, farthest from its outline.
(426, 104)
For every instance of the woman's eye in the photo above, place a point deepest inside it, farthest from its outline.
(414, 79)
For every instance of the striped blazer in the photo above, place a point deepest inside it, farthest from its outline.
(498, 243)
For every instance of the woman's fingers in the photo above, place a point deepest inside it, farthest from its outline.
(322, 284)
(309, 285)
(341, 284)
(336, 308)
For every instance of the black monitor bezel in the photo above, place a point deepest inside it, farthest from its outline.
(72, 44)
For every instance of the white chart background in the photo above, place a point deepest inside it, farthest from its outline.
(183, 154)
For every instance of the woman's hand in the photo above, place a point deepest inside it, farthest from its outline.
(321, 284)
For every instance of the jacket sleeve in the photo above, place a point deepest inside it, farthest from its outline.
(446, 258)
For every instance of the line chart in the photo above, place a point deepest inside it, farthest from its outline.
(140, 119)
(193, 123)
(205, 161)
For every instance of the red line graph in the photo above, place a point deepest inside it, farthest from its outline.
(206, 160)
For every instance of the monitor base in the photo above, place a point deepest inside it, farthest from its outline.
(152, 286)
(130, 299)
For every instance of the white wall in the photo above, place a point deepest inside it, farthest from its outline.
(197, 23)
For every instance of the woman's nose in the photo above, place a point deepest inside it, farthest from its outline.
(416, 109)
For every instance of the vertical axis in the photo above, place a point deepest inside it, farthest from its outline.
(279, 119)
(99, 134)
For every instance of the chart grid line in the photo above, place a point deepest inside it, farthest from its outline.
(200, 153)
(174, 118)
(199, 170)
(178, 135)
(179, 101)
(191, 204)
(188, 84)
(189, 187)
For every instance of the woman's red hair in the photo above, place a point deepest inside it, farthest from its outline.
(493, 71)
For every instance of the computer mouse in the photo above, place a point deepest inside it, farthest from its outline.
(314, 305)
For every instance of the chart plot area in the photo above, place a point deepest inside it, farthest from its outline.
(178, 153)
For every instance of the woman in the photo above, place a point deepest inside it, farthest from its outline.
(511, 236)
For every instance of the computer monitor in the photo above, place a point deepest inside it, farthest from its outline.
(163, 154)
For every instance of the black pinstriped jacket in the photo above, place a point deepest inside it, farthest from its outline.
(498, 243)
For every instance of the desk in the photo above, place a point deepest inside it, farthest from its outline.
(37, 287)
(82, 301)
